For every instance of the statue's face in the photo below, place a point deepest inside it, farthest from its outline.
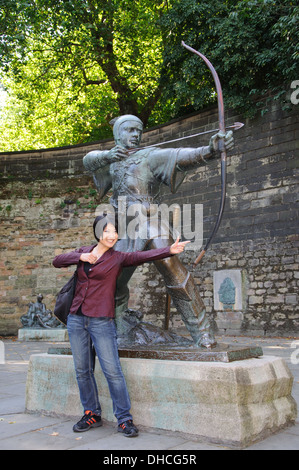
(130, 133)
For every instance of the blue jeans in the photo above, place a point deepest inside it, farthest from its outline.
(101, 332)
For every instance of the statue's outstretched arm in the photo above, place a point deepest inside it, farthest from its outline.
(189, 158)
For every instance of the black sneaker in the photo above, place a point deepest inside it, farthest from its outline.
(128, 429)
(88, 420)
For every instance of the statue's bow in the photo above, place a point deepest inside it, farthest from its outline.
(221, 148)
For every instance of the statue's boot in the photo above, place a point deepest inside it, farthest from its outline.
(189, 304)
(185, 296)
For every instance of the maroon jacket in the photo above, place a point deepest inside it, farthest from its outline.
(95, 292)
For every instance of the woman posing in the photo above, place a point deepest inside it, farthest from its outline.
(91, 320)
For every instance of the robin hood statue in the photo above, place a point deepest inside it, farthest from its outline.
(135, 176)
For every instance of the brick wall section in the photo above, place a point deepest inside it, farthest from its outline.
(48, 202)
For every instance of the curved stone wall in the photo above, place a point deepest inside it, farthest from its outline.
(48, 202)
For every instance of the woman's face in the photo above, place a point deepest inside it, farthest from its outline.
(110, 236)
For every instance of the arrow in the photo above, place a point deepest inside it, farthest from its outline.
(236, 126)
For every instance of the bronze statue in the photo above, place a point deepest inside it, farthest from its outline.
(136, 175)
(38, 316)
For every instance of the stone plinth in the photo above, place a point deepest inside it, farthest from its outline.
(233, 403)
(43, 334)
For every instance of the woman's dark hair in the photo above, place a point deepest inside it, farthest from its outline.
(101, 222)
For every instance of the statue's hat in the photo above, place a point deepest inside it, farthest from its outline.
(119, 121)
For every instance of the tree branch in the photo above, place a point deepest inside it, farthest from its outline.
(91, 82)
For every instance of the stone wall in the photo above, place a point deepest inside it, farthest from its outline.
(259, 234)
(48, 203)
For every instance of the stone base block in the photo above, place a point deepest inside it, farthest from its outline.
(43, 334)
(234, 404)
(230, 322)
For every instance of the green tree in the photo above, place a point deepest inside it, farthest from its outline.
(83, 56)
(70, 66)
(253, 44)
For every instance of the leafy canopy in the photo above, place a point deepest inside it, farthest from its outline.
(253, 44)
(73, 65)
(70, 66)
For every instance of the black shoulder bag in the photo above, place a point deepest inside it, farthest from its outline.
(64, 299)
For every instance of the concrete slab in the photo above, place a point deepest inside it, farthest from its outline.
(290, 441)
(116, 441)
(43, 334)
(20, 423)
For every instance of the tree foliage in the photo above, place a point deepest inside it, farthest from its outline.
(76, 64)
(70, 66)
(253, 44)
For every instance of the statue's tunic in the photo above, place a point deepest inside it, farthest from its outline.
(139, 179)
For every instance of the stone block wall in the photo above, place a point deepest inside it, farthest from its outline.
(47, 205)
(259, 234)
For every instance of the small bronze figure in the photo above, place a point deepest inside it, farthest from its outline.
(38, 316)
